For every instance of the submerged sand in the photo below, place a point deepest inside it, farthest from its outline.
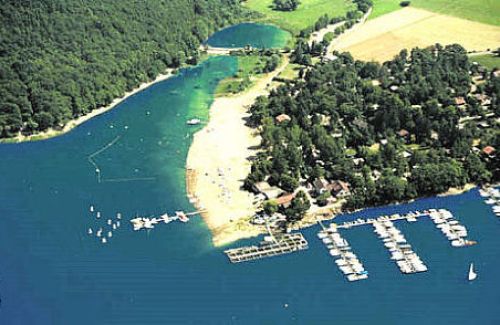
(218, 162)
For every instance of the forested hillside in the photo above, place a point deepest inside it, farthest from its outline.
(60, 59)
(417, 125)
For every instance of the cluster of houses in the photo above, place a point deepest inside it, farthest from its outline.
(337, 189)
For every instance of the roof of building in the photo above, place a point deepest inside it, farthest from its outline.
(282, 118)
(488, 150)
(403, 133)
(284, 199)
(339, 185)
(459, 100)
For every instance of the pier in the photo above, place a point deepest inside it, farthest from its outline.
(140, 223)
(270, 246)
(400, 250)
(347, 261)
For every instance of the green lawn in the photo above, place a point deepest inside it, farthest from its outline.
(249, 66)
(304, 16)
(484, 11)
(291, 71)
(487, 60)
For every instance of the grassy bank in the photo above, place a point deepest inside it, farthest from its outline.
(483, 11)
(250, 67)
(304, 16)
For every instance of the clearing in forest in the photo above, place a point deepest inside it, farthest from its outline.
(304, 16)
(382, 38)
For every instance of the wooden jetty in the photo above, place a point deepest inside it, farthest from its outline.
(271, 246)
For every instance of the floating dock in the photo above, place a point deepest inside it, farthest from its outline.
(401, 252)
(271, 246)
(140, 223)
(339, 248)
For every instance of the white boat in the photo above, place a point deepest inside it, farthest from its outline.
(90, 231)
(490, 201)
(118, 216)
(91, 208)
(472, 275)
(98, 214)
(109, 222)
(104, 241)
(193, 121)
(99, 232)
(110, 234)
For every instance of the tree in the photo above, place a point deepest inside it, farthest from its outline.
(298, 208)
(286, 5)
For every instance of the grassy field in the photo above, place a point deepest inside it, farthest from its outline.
(487, 60)
(382, 38)
(306, 14)
(248, 68)
(483, 11)
(291, 71)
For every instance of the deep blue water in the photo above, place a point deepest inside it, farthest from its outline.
(255, 35)
(53, 272)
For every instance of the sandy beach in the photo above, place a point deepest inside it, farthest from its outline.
(82, 119)
(217, 164)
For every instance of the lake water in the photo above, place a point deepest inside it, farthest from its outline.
(53, 272)
(255, 35)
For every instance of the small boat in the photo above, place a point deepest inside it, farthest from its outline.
(99, 232)
(98, 214)
(110, 234)
(90, 231)
(110, 222)
(472, 275)
(118, 224)
(118, 216)
(104, 241)
(91, 208)
(114, 227)
(182, 216)
(193, 121)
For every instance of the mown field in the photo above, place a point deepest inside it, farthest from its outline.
(488, 60)
(306, 14)
(484, 11)
(382, 38)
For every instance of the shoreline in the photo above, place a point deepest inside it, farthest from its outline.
(50, 133)
(218, 162)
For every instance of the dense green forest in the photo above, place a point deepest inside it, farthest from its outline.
(417, 125)
(60, 59)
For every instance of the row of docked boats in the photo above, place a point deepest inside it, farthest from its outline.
(401, 252)
(491, 196)
(450, 227)
(140, 223)
(346, 260)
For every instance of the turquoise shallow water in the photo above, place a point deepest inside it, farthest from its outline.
(52, 272)
(255, 35)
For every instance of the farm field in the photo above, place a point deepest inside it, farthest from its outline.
(304, 16)
(382, 38)
(484, 11)
(488, 60)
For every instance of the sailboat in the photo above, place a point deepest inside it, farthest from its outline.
(472, 274)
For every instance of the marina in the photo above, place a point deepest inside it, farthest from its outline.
(270, 246)
(400, 250)
(491, 197)
(339, 248)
